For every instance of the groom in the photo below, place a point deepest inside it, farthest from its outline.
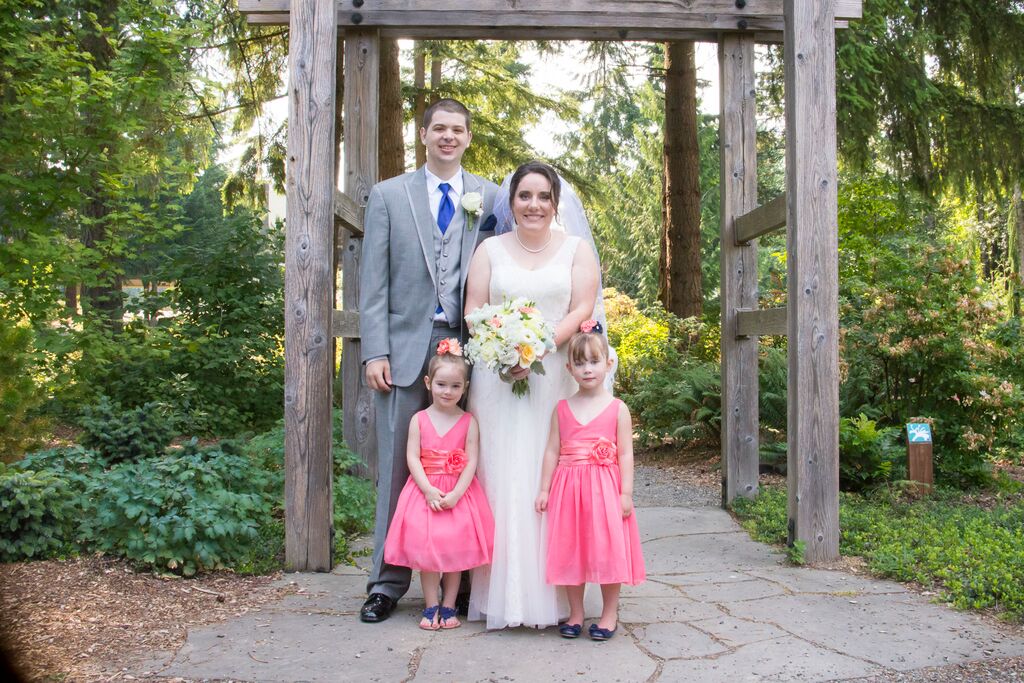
(420, 232)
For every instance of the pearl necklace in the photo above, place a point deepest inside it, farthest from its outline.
(533, 251)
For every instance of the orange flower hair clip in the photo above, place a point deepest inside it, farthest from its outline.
(588, 326)
(450, 346)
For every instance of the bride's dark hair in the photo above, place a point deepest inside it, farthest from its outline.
(540, 168)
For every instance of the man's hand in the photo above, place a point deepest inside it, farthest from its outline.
(378, 375)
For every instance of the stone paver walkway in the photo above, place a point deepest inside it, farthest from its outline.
(716, 607)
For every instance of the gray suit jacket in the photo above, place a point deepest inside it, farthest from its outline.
(398, 285)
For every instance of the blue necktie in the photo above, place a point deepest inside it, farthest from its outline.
(445, 212)
(446, 209)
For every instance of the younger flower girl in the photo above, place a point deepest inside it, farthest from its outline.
(586, 489)
(443, 523)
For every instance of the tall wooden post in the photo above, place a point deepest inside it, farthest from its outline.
(362, 106)
(738, 183)
(813, 277)
(308, 282)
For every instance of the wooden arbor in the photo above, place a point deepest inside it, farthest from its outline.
(808, 209)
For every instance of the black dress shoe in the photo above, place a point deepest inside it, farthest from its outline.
(377, 607)
(462, 604)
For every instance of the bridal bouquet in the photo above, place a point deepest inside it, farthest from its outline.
(509, 335)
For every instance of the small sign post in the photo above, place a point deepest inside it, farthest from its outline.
(919, 455)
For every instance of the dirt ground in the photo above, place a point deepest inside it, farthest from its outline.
(69, 619)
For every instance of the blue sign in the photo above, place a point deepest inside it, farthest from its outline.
(918, 432)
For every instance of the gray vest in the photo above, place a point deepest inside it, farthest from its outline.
(447, 262)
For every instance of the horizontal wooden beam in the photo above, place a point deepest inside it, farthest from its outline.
(543, 19)
(761, 322)
(348, 214)
(345, 324)
(651, 35)
(762, 220)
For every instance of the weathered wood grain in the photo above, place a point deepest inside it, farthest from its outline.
(762, 220)
(919, 465)
(348, 214)
(545, 12)
(651, 34)
(738, 184)
(345, 324)
(308, 277)
(761, 322)
(362, 106)
(813, 278)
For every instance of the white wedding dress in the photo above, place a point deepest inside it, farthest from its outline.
(513, 435)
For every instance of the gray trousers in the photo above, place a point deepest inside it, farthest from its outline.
(394, 411)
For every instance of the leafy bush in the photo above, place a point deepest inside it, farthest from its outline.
(975, 556)
(219, 361)
(200, 509)
(20, 395)
(355, 498)
(682, 399)
(188, 510)
(120, 435)
(641, 341)
(36, 517)
(918, 341)
(867, 455)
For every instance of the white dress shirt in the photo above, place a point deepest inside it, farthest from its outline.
(434, 192)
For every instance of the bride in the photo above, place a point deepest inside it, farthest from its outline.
(551, 268)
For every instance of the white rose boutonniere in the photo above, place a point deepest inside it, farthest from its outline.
(472, 204)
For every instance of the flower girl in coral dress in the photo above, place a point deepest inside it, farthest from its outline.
(586, 489)
(443, 523)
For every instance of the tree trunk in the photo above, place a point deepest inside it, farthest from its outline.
(101, 292)
(390, 141)
(1016, 233)
(679, 286)
(420, 83)
(435, 76)
(71, 299)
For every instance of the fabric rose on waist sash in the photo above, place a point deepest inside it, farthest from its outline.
(456, 462)
(604, 452)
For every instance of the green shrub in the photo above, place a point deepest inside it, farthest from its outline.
(867, 455)
(682, 399)
(120, 435)
(200, 509)
(37, 519)
(20, 394)
(920, 341)
(355, 498)
(973, 555)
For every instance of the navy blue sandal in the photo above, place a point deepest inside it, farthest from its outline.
(449, 618)
(430, 616)
(570, 630)
(597, 633)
